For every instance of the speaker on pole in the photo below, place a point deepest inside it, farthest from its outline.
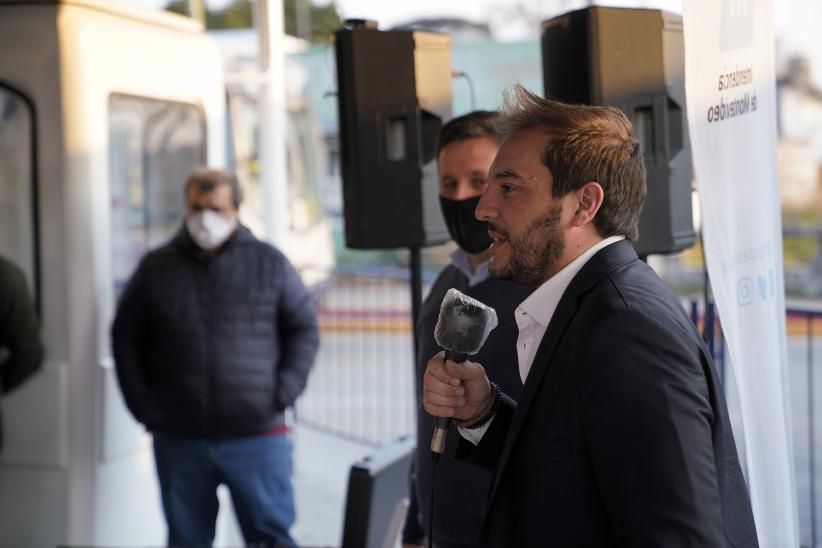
(633, 59)
(394, 93)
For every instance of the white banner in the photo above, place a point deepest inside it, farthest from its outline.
(731, 100)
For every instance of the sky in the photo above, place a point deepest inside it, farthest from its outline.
(796, 22)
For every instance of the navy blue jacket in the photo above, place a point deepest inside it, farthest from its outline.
(214, 348)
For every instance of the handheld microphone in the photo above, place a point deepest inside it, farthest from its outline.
(462, 328)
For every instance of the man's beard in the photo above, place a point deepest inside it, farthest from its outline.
(535, 254)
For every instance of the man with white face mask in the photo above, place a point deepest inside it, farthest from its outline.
(214, 337)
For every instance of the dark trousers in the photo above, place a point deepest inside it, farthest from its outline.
(257, 472)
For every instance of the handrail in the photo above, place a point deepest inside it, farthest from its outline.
(814, 312)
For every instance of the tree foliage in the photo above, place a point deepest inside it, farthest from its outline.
(320, 21)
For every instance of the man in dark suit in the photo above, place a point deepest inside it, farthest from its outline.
(466, 147)
(621, 435)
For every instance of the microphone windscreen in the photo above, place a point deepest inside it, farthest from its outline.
(464, 323)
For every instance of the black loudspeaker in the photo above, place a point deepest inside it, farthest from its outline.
(377, 498)
(633, 59)
(394, 91)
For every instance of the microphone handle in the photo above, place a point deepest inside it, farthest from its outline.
(454, 356)
(441, 424)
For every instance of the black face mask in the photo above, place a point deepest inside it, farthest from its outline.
(468, 232)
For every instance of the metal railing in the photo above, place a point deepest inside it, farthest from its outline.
(362, 386)
(804, 319)
(804, 333)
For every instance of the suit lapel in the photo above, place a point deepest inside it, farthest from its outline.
(600, 265)
(562, 317)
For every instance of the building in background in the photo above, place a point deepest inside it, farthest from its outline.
(308, 239)
(800, 176)
(459, 30)
(800, 138)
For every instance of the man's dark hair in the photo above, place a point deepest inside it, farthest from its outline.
(588, 143)
(474, 125)
(207, 179)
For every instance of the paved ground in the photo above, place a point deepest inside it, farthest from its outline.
(320, 479)
(322, 463)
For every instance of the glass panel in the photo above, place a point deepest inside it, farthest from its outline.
(17, 221)
(304, 173)
(153, 146)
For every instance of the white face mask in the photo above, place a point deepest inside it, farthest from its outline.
(209, 229)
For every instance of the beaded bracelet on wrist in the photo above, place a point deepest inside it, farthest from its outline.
(487, 413)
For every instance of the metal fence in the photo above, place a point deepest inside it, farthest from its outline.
(362, 385)
(804, 326)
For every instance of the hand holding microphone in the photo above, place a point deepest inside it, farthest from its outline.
(457, 388)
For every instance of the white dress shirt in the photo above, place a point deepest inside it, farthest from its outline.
(534, 314)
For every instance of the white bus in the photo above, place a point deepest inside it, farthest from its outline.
(103, 112)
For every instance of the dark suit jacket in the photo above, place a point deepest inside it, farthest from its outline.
(621, 436)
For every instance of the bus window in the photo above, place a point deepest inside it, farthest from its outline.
(17, 186)
(153, 146)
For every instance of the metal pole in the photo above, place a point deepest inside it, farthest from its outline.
(197, 10)
(272, 120)
(811, 433)
(720, 354)
(709, 327)
(695, 313)
(416, 298)
(303, 19)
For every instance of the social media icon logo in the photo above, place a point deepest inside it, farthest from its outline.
(744, 291)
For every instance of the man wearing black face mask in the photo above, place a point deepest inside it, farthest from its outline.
(466, 147)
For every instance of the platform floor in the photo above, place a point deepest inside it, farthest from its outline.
(320, 486)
